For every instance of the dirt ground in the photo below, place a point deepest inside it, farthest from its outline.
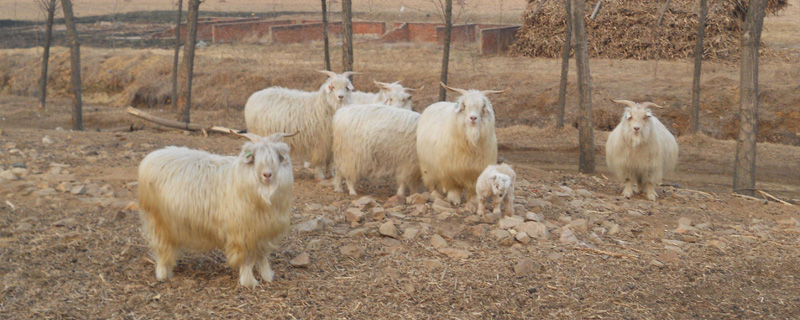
(697, 252)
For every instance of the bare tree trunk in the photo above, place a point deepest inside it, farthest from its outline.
(187, 66)
(586, 163)
(75, 65)
(694, 127)
(658, 36)
(744, 171)
(562, 86)
(48, 36)
(325, 34)
(175, 57)
(347, 35)
(448, 32)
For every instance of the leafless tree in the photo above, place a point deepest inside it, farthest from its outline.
(586, 163)
(744, 171)
(562, 86)
(698, 67)
(347, 35)
(75, 65)
(187, 65)
(327, 52)
(448, 30)
(49, 6)
(176, 56)
(658, 36)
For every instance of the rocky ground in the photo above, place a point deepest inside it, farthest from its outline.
(71, 248)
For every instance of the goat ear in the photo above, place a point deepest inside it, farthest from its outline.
(328, 88)
(458, 107)
(247, 154)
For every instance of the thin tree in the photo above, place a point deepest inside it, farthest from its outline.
(694, 127)
(176, 56)
(50, 7)
(347, 35)
(562, 86)
(187, 65)
(75, 65)
(744, 171)
(448, 31)
(586, 163)
(325, 44)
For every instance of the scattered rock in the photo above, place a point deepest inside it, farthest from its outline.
(431, 264)
(455, 253)
(613, 229)
(24, 226)
(510, 222)
(440, 205)
(524, 267)
(478, 230)
(415, 199)
(790, 222)
(576, 203)
(364, 202)
(684, 221)
(68, 223)
(533, 216)
(63, 187)
(522, 237)
(352, 251)
(703, 226)
(500, 234)
(674, 249)
(669, 257)
(534, 230)
(46, 140)
(539, 203)
(634, 213)
(314, 206)
(354, 215)
(410, 233)
(78, 190)
(301, 261)
(579, 225)
(19, 172)
(19, 165)
(360, 232)
(419, 209)
(378, 214)
(554, 256)
(438, 242)
(566, 189)
(8, 175)
(388, 229)
(490, 218)
(567, 236)
(716, 244)
(681, 229)
(309, 226)
(584, 193)
(671, 242)
(395, 201)
(45, 192)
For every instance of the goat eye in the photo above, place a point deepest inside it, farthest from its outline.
(280, 158)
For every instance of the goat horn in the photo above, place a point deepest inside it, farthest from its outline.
(347, 74)
(276, 136)
(486, 92)
(650, 104)
(461, 91)
(330, 74)
(252, 137)
(628, 102)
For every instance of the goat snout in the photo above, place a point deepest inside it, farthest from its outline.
(636, 129)
(473, 118)
(267, 175)
(341, 97)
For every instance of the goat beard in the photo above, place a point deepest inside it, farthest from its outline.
(636, 139)
(474, 134)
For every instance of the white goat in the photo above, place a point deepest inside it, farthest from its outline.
(496, 181)
(279, 109)
(391, 94)
(195, 200)
(640, 150)
(455, 142)
(375, 141)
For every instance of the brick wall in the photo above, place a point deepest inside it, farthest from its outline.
(462, 33)
(498, 40)
(232, 32)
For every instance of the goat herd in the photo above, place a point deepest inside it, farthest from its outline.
(191, 199)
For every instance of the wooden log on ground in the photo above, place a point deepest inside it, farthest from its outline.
(177, 124)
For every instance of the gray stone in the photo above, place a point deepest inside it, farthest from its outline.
(584, 193)
(354, 215)
(684, 221)
(410, 233)
(579, 225)
(524, 267)
(68, 223)
(352, 251)
(455, 253)
(510, 222)
(389, 229)
(302, 260)
(522, 237)
(78, 190)
(438, 242)
(533, 216)
(309, 226)
(567, 236)
(499, 234)
(534, 230)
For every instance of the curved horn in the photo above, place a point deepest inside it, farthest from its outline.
(347, 74)
(253, 137)
(461, 91)
(487, 92)
(275, 137)
(650, 104)
(382, 85)
(330, 74)
(414, 90)
(628, 102)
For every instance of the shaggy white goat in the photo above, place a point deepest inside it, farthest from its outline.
(279, 109)
(455, 142)
(496, 181)
(640, 150)
(375, 141)
(391, 94)
(195, 200)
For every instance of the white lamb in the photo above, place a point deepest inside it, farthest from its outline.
(455, 142)
(640, 150)
(375, 141)
(497, 182)
(279, 109)
(195, 200)
(392, 94)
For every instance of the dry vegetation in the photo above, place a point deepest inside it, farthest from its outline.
(73, 255)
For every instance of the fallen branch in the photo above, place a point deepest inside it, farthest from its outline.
(747, 197)
(596, 9)
(177, 124)
(607, 253)
(769, 196)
